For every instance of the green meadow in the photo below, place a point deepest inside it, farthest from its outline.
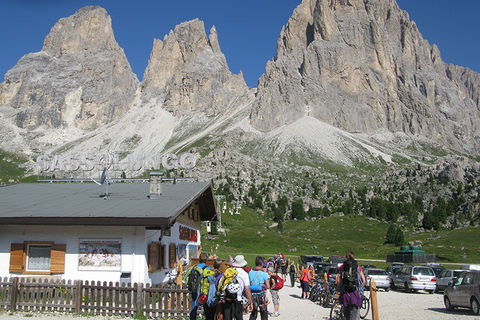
(251, 234)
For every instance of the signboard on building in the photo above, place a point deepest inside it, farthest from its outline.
(188, 234)
(100, 255)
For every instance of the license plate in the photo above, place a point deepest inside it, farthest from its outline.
(424, 279)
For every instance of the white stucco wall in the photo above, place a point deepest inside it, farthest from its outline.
(133, 248)
(151, 235)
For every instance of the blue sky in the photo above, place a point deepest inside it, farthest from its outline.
(248, 30)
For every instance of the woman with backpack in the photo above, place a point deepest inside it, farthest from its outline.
(276, 283)
(350, 283)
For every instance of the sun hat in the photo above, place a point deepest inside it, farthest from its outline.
(239, 261)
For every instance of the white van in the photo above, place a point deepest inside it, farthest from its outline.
(412, 278)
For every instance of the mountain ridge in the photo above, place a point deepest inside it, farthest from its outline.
(188, 93)
(362, 66)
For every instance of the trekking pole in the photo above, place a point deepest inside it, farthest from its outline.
(373, 296)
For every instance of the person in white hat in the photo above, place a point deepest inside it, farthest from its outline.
(235, 310)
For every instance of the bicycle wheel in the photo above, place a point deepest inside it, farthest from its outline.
(336, 312)
(365, 307)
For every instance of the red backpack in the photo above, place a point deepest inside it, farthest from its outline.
(278, 282)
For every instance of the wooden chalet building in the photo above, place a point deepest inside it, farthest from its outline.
(73, 231)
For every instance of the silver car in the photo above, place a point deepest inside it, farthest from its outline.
(464, 293)
(381, 277)
(447, 278)
(412, 278)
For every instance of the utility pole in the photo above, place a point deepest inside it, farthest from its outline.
(219, 210)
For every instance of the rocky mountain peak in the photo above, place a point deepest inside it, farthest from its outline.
(363, 66)
(188, 71)
(90, 28)
(81, 78)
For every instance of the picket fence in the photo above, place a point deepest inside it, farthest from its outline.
(99, 298)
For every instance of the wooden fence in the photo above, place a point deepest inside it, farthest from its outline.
(100, 298)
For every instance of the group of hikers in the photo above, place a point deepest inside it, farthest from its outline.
(237, 289)
(227, 292)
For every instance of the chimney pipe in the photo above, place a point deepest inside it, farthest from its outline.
(155, 185)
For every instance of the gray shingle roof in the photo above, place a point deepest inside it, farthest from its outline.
(83, 200)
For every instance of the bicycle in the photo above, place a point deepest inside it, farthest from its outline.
(316, 291)
(336, 311)
(365, 307)
(328, 297)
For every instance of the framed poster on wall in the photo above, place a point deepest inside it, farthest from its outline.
(100, 255)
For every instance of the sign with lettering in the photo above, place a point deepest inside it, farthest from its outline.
(188, 234)
(112, 160)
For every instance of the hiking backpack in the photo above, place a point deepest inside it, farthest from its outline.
(255, 285)
(208, 287)
(278, 282)
(193, 278)
(350, 276)
(228, 286)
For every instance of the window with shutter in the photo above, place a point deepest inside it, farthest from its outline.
(152, 257)
(164, 253)
(159, 261)
(57, 258)
(38, 258)
(17, 256)
(172, 255)
(44, 257)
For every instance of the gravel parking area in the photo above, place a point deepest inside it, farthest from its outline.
(393, 305)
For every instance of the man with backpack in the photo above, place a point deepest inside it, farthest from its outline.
(283, 266)
(193, 278)
(293, 272)
(350, 282)
(259, 285)
(236, 290)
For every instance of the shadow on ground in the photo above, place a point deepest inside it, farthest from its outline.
(456, 312)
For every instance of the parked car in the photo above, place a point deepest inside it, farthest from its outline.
(464, 293)
(447, 278)
(395, 266)
(332, 274)
(336, 260)
(310, 259)
(320, 268)
(437, 270)
(415, 278)
(381, 277)
(368, 266)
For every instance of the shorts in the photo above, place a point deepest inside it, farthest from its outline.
(305, 286)
(284, 270)
(275, 297)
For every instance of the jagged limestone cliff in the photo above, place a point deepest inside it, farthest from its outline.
(188, 72)
(363, 66)
(81, 77)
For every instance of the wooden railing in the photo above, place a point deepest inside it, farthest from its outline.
(100, 298)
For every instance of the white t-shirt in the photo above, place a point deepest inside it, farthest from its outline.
(244, 281)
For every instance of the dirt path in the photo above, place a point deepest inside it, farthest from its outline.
(392, 306)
